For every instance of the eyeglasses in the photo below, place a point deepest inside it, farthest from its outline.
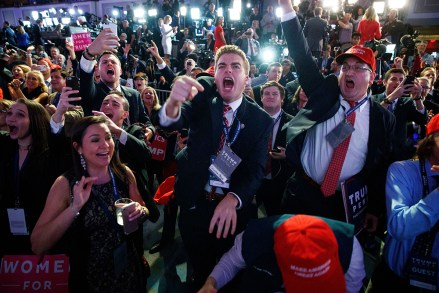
(356, 67)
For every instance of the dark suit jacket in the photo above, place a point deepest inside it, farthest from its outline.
(93, 94)
(136, 154)
(257, 94)
(328, 64)
(314, 31)
(405, 112)
(281, 169)
(204, 116)
(323, 103)
(243, 44)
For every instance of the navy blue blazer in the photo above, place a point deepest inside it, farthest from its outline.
(203, 115)
(323, 103)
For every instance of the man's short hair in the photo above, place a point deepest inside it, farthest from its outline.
(273, 64)
(356, 34)
(275, 84)
(318, 11)
(125, 103)
(286, 61)
(232, 49)
(64, 73)
(391, 71)
(108, 53)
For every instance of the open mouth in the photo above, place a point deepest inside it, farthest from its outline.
(103, 154)
(350, 84)
(13, 130)
(110, 72)
(228, 83)
(109, 115)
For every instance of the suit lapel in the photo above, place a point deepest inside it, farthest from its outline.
(216, 108)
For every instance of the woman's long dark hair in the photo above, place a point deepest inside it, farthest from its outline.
(78, 131)
(39, 125)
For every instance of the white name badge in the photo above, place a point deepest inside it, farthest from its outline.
(17, 222)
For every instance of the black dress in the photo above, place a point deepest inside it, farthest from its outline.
(94, 238)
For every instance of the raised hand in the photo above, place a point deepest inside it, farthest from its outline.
(105, 41)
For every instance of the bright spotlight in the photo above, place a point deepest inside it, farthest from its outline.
(379, 6)
(278, 12)
(219, 12)
(125, 12)
(268, 55)
(65, 20)
(152, 12)
(285, 52)
(234, 14)
(139, 12)
(61, 10)
(195, 13)
(80, 11)
(332, 4)
(249, 5)
(183, 10)
(141, 20)
(115, 12)
(72, 11)
(297, 2)
(34, 15)
(397, 4)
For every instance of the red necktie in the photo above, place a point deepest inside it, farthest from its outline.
(332, 175)
(226, 109)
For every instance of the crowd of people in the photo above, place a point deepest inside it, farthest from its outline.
(334, 146)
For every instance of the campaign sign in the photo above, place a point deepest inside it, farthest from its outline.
(158, 147)
(33, 273)
(81, 41)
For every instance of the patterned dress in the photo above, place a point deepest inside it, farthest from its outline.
(95, 238)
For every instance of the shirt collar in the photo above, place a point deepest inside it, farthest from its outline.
(235, 104)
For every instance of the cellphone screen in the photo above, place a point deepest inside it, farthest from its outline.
(73, 82)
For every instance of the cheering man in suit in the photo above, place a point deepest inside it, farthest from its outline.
(341, 133)
(110, 71)
(222, 166)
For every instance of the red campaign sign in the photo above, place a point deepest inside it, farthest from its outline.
(158, 147)
(81, 41)
(26, 273)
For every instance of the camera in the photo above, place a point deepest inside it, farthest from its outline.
(409, 42)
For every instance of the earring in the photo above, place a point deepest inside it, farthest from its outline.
(83, 163)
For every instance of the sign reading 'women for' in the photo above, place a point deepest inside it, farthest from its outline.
(32, 273)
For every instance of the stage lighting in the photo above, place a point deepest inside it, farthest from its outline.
(234, 14)
(141, 20)
(278, 12)
(285, 52)
(332, 4)
(379, 6)
(65, 20)
(219, 12)
(55, 21)
(61, 10)
(48, 21)
(139, 12)
(26, 22)
(397, 4)
(268, 54)
(115, 12)
(152, 12)
(52, 10)
(249, 5)
(35, 15)
(80, 11)
(183, 10)
(195, 13)
(72, 11)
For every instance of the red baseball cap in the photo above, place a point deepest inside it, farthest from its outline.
(364, 54)
(433, 125)
(307, 254)
(165, 191)
(51, 65)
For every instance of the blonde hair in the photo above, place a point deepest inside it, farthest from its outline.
(156, 103)
(40, 78)
(371, 14)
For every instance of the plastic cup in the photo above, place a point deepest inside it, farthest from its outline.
(119, 204)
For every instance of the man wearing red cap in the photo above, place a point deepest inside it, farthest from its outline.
(342, 139)
(411, 251)
(302, 253)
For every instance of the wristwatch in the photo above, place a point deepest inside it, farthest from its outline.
(387, 101)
